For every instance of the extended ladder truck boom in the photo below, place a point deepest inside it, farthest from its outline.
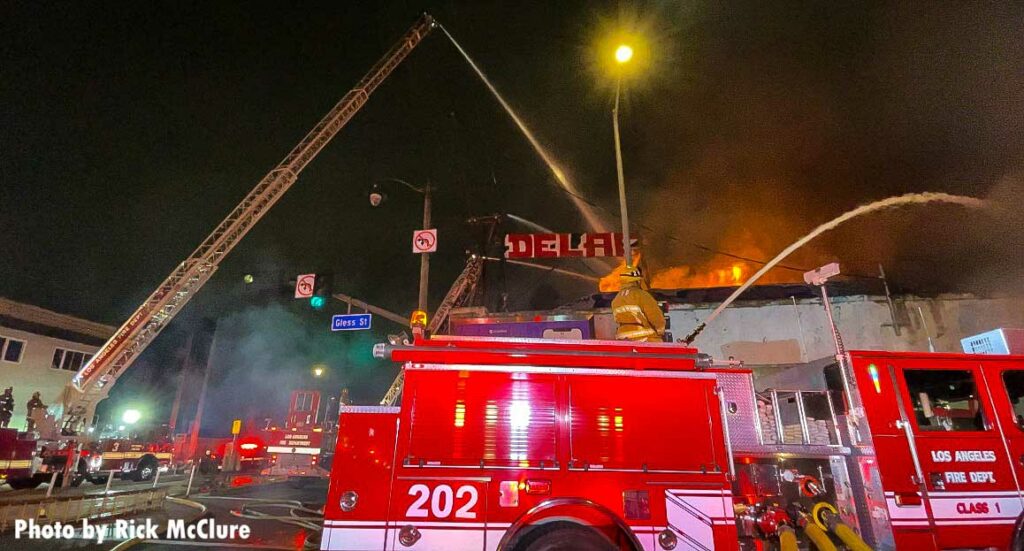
(458, 294)
(92, 383)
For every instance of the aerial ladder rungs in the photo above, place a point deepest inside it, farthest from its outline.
(96, 377)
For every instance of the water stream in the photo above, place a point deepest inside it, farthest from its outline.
(586, 210)
(909, 199)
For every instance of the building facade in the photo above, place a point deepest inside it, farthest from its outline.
(785, 325)
(796, 330)
(40, 351)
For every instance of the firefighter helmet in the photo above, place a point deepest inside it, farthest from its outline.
(632, 273)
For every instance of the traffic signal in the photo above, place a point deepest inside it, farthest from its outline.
(321, 291)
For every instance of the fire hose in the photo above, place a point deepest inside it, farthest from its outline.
(787, 538)
(848, 537)
(818, 537)
(298, 515)
(824, 514)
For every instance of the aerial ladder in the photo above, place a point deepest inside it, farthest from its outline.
(93, 382)
(460, 292)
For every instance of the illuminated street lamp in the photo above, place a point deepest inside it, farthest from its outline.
(318, 370)
(131, 416)
(623, 54)
(377, 197)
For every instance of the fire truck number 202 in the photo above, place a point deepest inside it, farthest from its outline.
(442, 501)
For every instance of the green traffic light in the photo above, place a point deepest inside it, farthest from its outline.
(318, 302)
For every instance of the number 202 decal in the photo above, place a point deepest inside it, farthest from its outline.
(442, 501)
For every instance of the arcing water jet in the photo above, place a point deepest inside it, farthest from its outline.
(908, 199)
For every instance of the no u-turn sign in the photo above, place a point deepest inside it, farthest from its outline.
(424, 241)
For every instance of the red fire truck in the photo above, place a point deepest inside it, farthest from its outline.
(526, 444)
(128, 458)
(295, 449)
(17, 451)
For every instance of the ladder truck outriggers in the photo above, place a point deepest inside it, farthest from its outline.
(93, 381)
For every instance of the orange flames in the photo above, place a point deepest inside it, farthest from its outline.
(720, 272)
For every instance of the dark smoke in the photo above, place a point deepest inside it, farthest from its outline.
(782, 118)
(262, 354)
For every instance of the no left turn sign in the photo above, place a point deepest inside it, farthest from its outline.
(305, 284)
(424, 241)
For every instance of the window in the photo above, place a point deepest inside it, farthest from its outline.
(1013, 380)
(303, 402)
(484, 419)
(11, 349)
(69, 360)
(623, 427)
(945, 400)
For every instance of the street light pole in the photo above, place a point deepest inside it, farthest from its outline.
(622, 180)
(377, 196)
(425, 257)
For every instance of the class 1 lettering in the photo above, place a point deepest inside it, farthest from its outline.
(980, 508)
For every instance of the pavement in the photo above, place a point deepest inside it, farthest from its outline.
(264, 500)
(266, 533)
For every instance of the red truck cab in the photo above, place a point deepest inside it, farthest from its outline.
(948, 435)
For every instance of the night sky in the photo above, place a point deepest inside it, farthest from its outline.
(129, 130)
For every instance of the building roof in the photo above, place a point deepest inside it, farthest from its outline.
(756, 293)
(33, 319)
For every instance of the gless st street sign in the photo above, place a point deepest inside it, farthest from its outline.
(351, 322)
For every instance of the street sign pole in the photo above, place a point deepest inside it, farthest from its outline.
(425, 257)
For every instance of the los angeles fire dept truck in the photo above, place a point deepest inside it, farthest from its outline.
(295, 449)
(91, 384)
(133, 459)
(18, 451)
(526, 444)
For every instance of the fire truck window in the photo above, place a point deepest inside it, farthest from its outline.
(945, 400)
(643, 423)
(1014, 382)
(499, 419)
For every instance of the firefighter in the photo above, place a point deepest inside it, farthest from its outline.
(35, 403)
(6, 407)
(636, 312)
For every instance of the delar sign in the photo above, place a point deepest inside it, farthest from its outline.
(564, 245)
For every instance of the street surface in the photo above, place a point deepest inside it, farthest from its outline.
(265, 534)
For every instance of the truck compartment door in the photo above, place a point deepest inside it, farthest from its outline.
(956, 440)
(355, 516)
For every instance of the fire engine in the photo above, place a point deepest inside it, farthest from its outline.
(295, 449)
(128, 458)
(69, 438)
(529, 444)
(16, 461)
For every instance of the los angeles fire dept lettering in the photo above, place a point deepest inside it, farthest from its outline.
(966, 456)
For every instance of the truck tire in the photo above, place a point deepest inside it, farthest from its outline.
(146, 469)
(24, 483)
(564, 536)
